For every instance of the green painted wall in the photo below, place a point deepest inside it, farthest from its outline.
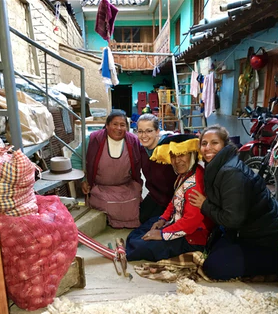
(186, 20)
(93, 40)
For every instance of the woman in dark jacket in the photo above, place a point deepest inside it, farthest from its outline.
(241, 204)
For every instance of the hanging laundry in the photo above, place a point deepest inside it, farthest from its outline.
(105, 19)
(209, 94)
(194, 84)
(200, 80)
(108, 69)
(57, 16)
(156, 71)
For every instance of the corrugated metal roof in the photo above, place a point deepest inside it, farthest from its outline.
(261, 15)
(115, 2)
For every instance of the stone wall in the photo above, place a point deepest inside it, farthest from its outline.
(43, 22)
(68, 35)
(94, 86)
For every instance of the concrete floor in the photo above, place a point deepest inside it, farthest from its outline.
(103, 283)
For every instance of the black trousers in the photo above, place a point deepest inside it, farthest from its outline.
(150, 208)
(230, 259)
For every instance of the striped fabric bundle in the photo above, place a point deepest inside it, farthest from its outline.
(17, 178)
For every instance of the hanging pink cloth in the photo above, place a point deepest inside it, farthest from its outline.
(194, 84)
(106, 16)
(208, 94)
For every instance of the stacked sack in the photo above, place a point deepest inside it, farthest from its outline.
(17, 196)
(38, 236)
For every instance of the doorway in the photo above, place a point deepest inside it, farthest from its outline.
(122, 98)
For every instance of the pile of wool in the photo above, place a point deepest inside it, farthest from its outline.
(191, 298)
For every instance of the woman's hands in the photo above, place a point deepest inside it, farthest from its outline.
(152, 235)
(196, 198)
(85, 187)
(158, 225)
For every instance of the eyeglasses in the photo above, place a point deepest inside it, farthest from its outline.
(146, 132)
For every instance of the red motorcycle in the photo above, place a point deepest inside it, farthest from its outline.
(262, 132)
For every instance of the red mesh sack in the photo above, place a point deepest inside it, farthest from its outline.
(37, 251)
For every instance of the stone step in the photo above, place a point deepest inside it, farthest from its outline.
(92, 222)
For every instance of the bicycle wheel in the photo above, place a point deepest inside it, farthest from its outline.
(256, 164)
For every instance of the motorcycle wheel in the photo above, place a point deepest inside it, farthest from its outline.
(270, 175)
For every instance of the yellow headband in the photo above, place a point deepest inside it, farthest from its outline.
(161, 154)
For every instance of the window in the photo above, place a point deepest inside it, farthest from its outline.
(198, 11)
(127, 34)
(177, 32)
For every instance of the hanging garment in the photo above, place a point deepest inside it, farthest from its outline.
(112, 68)
(108, 69)
(106, 16)
(200, 80)
(209, 94)
(194, 85)
(216, 100)
(156, 71)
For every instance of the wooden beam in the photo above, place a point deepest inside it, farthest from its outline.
(153, 27)
(32, 36)
(160, 15)
(3, 296)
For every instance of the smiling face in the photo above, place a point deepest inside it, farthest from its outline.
(116, 128)
(210, 145)
(180, 163)
(147, 134)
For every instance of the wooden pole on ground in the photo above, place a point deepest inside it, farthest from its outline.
(3, 296)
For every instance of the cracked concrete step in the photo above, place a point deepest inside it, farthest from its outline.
(90, 221)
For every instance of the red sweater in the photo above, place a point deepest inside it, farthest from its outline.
(187, 220)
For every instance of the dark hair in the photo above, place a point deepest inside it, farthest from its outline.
(116, 113)
(221, 131)
(149, 117)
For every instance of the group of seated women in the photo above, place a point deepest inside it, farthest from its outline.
(201, 197)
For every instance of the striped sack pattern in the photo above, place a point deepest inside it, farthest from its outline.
(17, 178)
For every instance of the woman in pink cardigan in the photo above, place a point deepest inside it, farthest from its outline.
(113, 179)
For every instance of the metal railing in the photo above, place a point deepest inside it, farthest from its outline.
(9, 80)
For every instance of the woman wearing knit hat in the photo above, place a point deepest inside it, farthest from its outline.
(181, 228)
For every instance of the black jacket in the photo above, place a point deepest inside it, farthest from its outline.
(238, 200)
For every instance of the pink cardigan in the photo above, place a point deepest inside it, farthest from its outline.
(95, 148)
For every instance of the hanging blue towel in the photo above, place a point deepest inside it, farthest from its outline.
(105, 71)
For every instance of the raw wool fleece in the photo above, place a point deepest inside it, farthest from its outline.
(190, 298)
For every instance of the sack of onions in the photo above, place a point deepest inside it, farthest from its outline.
(37, 251)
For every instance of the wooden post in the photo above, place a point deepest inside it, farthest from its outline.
(3, 296)
(160, 15)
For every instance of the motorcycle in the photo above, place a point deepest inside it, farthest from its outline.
(263, 132)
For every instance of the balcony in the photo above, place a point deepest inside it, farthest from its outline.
(133, 62)
(142, 62)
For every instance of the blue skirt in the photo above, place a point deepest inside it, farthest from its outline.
(155, 250)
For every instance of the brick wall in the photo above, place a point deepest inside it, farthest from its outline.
(43, 20)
